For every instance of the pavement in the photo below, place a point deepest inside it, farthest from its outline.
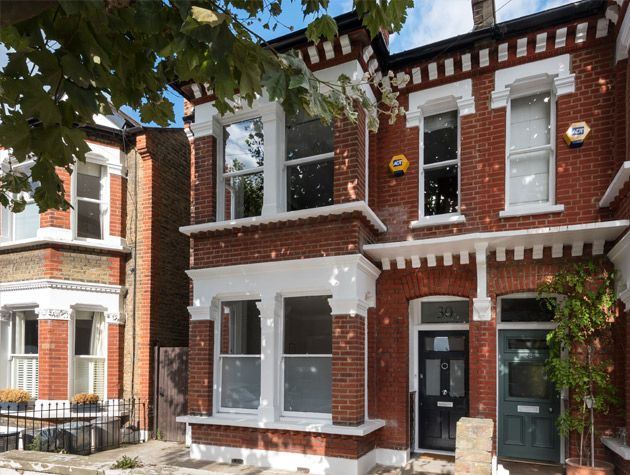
(171, 458)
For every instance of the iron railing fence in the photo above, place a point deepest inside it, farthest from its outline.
(70, 428)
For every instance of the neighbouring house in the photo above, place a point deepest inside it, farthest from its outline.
(342, 316)
(86, 294)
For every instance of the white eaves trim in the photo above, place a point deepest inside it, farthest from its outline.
(527, 238)
(530, 210)
(332, 210)
(623, 39)
(618, 182)
(92, 244)
(301, 425)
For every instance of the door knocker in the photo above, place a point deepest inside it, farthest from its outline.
(444, 366)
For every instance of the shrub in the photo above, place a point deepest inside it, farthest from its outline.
(14, 395)
(85, 398)
(125, 462)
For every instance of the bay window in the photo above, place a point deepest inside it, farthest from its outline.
(24, 351)
(89, 353)
(243, 161)
(440, 164)
(309, 162)
(307, 356)
(22, 225)
(90, 206)
(530, 153)
(239, 358)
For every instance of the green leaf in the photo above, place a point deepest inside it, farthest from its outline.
(206, 16)
(324, 26)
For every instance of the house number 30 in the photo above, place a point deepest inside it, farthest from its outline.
(445, 312)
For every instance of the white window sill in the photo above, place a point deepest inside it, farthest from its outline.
(531, 210)
(616, 446)
(438, 220)
(300, 425)
(332, 210)
(103, 245)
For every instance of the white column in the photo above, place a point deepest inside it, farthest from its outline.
(5, 344)
(270, 308)
(273, 127)
(481, 304)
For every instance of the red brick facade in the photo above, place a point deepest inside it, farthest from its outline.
(582, 177)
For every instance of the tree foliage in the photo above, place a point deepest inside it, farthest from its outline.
(69, 60)
(584, 315)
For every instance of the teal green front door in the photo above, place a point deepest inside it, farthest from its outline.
(528, 403)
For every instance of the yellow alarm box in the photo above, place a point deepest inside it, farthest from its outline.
(398, 165)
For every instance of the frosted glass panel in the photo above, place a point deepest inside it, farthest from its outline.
(529, 178)
(530, 122)
(307, 384)
(26, 222)
(457, 378)
(432, 378)
(240, 382)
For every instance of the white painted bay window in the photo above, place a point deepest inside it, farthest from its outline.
(24, 351)
(243, 162)
(530, 153)
(440, 165)
(309, 162)
(307, 357)
(239, 358)
(22, 225)
(90, 201)
(89, 353)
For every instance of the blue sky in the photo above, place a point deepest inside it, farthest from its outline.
(428, 21)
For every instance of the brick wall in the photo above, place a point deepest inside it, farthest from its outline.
(59, 218)
(349, 161)
(200, 367)
(115, 355)
(285, 441)
(348, 370)
(53, 359)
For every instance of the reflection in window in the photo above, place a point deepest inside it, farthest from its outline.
(243, 155)
(440, 164)
(309, 162)
(445, 343)
(525, 310)
(90, 207)
(307, 357)
(529, 151)
(457, 378)
(22, 225)
(528, 380)
(240, 355)
(432, 377)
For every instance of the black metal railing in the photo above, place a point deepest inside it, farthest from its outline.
(72, 428)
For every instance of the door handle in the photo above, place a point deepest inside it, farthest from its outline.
(550, 409)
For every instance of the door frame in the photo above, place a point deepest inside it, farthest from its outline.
(525, 326)
(416, 326)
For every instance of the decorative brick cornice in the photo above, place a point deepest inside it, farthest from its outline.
(52, 314)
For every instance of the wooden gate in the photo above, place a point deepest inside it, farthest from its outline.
(171, 383)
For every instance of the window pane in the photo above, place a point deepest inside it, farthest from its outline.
(445, 343)
(525, 310)
(310, 185)
(89, 220)
(529, 178)
(527, 344)
(31, 336)
(307, 136)
(307, 326)
(530, 121)
(26, 223)
(83, 324)
(457, 378)
(440, 191)
(455, 311)
(240, 328)
(245, 196)
(440, 137)
(240, 383)
(528, 380)
(432, 378)
(308, 384)
(89, 181)
(243, 145)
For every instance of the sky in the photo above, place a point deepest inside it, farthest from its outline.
(428, 21)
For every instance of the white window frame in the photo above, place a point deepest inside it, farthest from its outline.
(7, 220)
(303, 161)
(445, 217)
(221, 356)
(298, 414)
(11, 354)
(549, 205)
(96, 159)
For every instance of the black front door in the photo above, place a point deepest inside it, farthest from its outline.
(443, 383)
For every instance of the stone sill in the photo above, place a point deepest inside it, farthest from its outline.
(531, 210)
(616, 446)
(105, 246)
(300, 425)
(343, 208)
(437, 221)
